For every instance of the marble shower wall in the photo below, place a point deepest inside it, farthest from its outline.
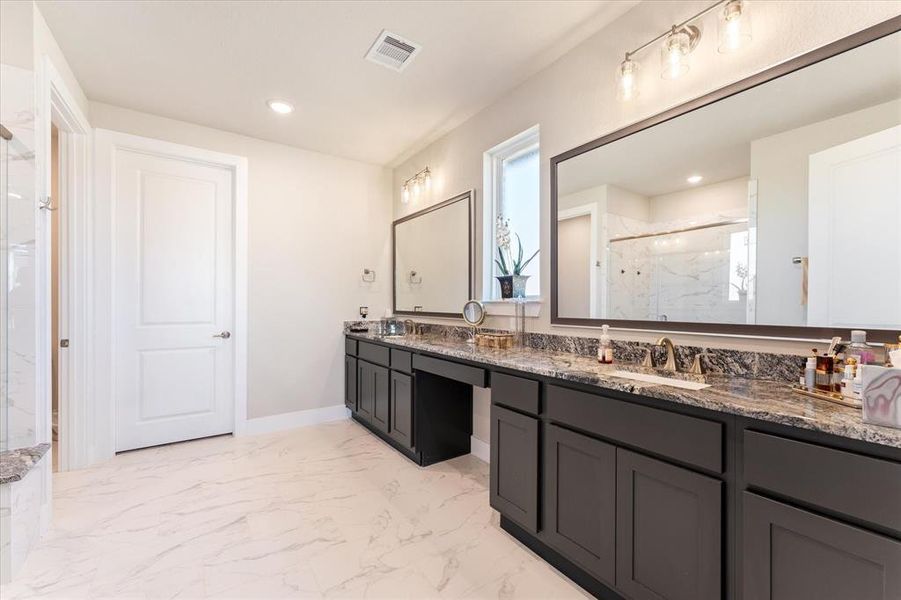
(695, 276)
(17, 261)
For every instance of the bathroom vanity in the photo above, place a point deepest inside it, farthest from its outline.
(639, 490)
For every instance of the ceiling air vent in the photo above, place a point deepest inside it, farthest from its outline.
(392, 51)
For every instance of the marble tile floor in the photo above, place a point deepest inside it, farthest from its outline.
(327, 511)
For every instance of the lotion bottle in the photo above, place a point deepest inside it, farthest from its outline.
(605, 346)
(810, 373)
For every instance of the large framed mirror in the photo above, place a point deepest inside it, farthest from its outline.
(433, 259)
(771, 207)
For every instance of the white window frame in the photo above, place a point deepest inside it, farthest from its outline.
(492, 185)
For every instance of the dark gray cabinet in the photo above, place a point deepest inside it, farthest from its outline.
(789, 553)
(373, 389)
(514, 466)
(365, 390)
(580, 500)
(401, 413)
(382, 401)
(350, 382)
(668, 534)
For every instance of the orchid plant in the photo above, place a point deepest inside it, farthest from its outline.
(505, 261)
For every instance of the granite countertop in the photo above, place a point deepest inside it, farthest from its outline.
(15, 464)
(755, 398)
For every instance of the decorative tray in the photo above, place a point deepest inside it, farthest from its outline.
(500, 341)
(834, 397)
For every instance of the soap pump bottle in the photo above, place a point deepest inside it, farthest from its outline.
(605, 346)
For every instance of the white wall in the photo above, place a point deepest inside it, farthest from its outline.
(315, 221)
(780, 165)
(574, 101)
(721, 198)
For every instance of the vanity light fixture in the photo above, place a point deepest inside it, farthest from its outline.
(415, 184)
(734, 32)
(675, 50)
(693, 179)
(626, 85)
(280, 106)
(734, 26)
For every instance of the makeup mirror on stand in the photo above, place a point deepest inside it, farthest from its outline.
(474, 315)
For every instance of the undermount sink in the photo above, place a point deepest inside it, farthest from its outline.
(656, 379)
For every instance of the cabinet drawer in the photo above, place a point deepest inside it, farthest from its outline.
(374, 354)
(451, 370)
(350, 347)
(515, 392)
(401, 361)
(852, 484)
(687, 439)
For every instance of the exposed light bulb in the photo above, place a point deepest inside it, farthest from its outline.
(416, 188)
(627, 87)
(734, 26)
(428, 179)
(405, 197)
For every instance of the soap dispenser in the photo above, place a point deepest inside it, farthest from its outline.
(605, 346)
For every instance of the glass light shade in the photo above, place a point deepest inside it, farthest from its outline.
(428, 179)
(627, 80)
(674, 55)
(406, 194)
(734, 26)
(416, 188)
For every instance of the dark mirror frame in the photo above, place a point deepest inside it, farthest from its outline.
(470, 198)
(860, 38)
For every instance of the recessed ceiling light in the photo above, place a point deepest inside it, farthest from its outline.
(280, 106)
(693, 179)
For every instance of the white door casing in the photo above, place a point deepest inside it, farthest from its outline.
(177, 235)
(854, 220)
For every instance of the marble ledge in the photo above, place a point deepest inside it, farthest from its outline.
(15, 464)
(764, 400)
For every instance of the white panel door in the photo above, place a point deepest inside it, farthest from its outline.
(854, 223)
(174, 295)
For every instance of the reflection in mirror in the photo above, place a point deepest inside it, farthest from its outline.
(432, 259)
(779, 205)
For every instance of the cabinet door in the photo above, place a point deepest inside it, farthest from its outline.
(789, 553)
(382, 400)
(669, 531)
(350, 382)
(514, 466)
(580, 500)
(401, 414)
(365, 390)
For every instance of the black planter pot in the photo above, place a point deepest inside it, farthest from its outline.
(506, 282)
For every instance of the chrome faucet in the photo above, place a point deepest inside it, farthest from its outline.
(670, 353)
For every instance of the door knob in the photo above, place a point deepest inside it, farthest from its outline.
(223, 334)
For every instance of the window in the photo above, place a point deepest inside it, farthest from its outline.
(512, 195)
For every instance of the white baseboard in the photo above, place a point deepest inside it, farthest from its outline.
(480, 449)
(293, 420)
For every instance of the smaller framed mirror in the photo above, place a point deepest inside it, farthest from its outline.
(433, 259)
